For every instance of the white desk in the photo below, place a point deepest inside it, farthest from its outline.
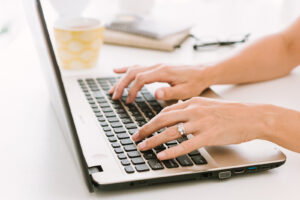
(36, 163)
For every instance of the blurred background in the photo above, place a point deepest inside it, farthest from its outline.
(211, 17)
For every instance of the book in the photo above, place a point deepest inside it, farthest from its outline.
(168, 43)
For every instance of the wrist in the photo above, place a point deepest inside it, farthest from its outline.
(210, 74)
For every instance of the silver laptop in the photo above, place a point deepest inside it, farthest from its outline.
(99, 130)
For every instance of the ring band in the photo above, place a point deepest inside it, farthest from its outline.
(181, 129)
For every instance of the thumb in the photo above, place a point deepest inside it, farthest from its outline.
(169, 93)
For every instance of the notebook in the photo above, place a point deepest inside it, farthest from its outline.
(168, 43)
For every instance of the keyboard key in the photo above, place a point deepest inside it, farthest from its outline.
(171, 142)
(155, 164)
(132, 131)
(133, 154)
(129, 169)
(99, 115)
(112, 139)
(122, 156)
(126, 120)
(110, 114)
(113, 119)
(123, 115)
(109, 134)
(104, 105)
(122, 136)
(193, 153)
(149, 155)
(138, 160)
(184, 161)
(126, 141)
(106, 128)
(160, 147)
(199, 160)
(103, 124)
(108, 109)
(119, 130)
(184, 138)
(130, 126)
(142, 168)
(101, 119)
(170, 163)
(116, 124)
(125, 162)
(115, 144)
(119, 150)
(130, 148)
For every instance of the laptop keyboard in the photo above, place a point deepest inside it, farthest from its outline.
(120, 120)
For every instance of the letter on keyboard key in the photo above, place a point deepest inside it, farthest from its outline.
(184, 161)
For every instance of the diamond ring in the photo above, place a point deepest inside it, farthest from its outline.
(181, 129)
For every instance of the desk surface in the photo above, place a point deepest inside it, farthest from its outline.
(37, 164)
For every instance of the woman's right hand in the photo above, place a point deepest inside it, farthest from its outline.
(185, 81)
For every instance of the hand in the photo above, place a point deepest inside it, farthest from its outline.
(211, 122)
(185, 81)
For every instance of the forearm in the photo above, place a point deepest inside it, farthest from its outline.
(268, 58)
(282, 126)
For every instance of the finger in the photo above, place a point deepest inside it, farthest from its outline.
(169, 134)
(124, 82)
(183, 148)
(121, 70)
(169, 93)
(128, 78)
(178, 106)
(155, 75)
(111, 90)
(160, 121)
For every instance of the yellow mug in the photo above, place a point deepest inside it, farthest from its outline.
(78, 42)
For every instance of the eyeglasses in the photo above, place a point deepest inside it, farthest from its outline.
(212, 43)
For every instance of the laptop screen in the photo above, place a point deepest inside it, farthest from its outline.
(37, 22)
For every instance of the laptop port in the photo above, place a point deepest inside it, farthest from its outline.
(239, 171)
(252, 169)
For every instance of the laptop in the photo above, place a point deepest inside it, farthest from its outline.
(99, 129)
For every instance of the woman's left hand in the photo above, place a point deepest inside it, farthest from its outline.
(211, 122)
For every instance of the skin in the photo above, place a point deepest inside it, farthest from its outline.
(213, 122)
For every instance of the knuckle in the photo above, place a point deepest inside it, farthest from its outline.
(139, 78)
(131, 72)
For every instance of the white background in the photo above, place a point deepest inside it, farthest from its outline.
(35, 162)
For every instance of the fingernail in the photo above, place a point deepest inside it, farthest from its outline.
(160, 94)
(161, 155)
(127, 100)
(135, 136)
(142, 145)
